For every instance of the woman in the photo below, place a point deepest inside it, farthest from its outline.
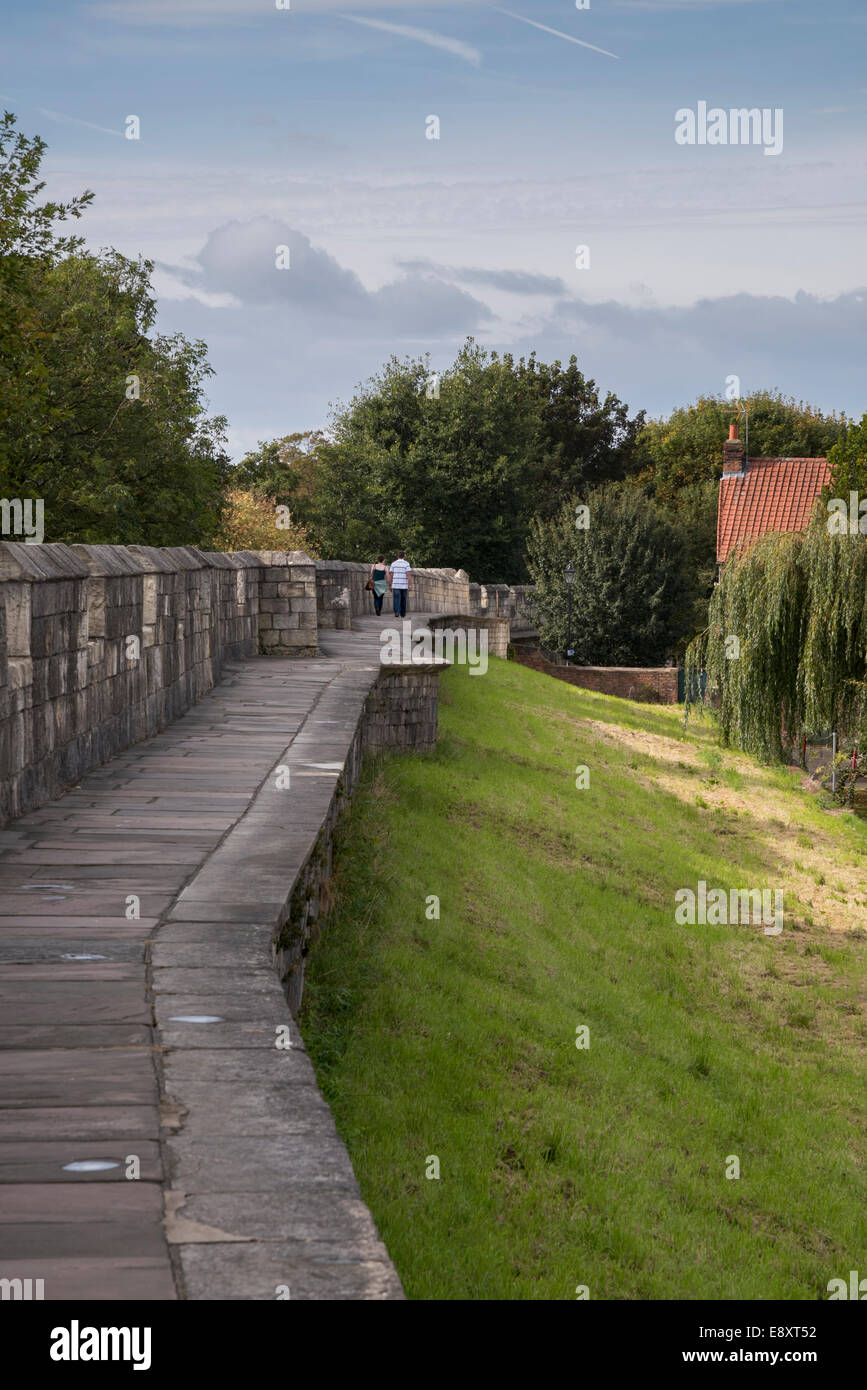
(379, 579)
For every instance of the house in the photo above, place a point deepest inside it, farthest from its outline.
(761, 495)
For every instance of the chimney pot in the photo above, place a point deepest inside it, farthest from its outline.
(733, 453)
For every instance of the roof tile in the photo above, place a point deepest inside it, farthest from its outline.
(773, 495)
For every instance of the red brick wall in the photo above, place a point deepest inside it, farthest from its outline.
(654, 683)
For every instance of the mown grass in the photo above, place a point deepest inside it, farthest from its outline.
(456, 1037)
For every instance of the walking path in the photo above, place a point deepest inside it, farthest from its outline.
(139, 901)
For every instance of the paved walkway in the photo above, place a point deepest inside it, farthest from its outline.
(138, 901)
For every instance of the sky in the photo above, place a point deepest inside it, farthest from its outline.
(559, 127)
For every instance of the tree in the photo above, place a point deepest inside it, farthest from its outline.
(121, 450)
(686, 448)
(629, 592)
(103, 421)
(848, 461)
(28, 240)
(795, 606)
(453, 466)
(252, 521)
(584, 440)
(286, 470)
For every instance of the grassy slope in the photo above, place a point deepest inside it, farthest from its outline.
(456, 1037)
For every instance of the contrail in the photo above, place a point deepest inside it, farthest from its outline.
(75, 120)
(559, 33)
(409, 31)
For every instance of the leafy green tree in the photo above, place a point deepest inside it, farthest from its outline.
(453, 467)
(794, 602)
(286, 470)
(848, 461)
(692, 513)
(585, 439)
(28, 239)
(99, 417)
(686, 448)
(629, 593)
(122, 450)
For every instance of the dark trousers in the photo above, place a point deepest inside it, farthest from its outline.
(377, 603)
(399, 596)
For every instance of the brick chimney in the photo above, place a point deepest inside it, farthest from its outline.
(733, 454)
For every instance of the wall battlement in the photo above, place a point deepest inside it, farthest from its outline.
(104, 645)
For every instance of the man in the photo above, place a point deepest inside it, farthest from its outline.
(398, 577)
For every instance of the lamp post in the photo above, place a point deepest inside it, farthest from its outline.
(570, 580)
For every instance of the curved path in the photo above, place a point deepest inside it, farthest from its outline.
(227, 1176)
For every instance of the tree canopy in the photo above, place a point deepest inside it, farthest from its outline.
(629, 596)
(786, 646)
(686, 447)
(99, 416)
(848, 461)
(453, 467)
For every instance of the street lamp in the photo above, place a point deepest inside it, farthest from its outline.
(570, 580)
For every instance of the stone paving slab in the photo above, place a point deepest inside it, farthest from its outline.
(55, 1077)
(258, 1271)
(118, 1277)
(259, 1189)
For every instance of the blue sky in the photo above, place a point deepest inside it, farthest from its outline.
(306, 127)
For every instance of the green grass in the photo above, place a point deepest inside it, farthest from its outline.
(456, 1037)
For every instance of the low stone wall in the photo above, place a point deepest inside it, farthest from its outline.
(341, 595)
(104, 645)
(496, 629)
(399, 713)
(652, 684)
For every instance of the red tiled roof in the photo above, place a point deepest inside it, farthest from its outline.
(773, 495)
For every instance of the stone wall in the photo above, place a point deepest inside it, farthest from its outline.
(496, 630)
(341, 595)
(653, 684)
(287, 604)
(104, 645)
(399, 713)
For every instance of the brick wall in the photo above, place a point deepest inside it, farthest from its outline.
(656, 684)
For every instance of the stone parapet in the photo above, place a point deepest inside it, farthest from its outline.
(340, 590)
(496, 631)
(104, 645)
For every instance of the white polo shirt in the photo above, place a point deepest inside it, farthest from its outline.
(399, 574)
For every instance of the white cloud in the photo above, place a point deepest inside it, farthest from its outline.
(238, 267)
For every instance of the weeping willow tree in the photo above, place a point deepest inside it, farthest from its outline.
(785, 649)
